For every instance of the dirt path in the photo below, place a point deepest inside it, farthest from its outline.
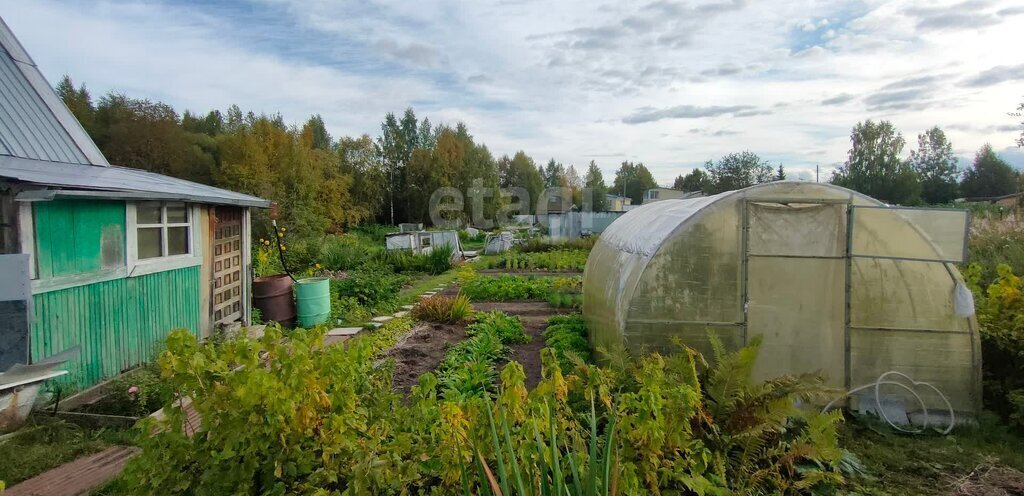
(421, 351)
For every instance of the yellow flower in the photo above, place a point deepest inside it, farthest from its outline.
(317, 266)
(283, 229)
(283, 247)
(267, 243)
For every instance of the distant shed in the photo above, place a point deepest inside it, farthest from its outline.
(833, 280)
(118, 257)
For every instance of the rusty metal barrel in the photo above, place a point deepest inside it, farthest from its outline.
(272, 295)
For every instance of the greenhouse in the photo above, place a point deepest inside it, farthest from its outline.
(835, 282)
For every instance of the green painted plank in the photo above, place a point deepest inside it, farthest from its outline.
(119, 324)
(70, 236)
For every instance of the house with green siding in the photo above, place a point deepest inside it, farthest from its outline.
(111, 258)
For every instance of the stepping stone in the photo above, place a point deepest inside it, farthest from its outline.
(382, 319)
(373, 325)
(255, 331)
(344, 331)
(403, 313)
(408, 307)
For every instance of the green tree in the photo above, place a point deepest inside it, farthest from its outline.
(696, 180)
(521, 172)
(632, 180)
(989, 176)
(737, 171)
(936, 166)
(874, 166)
(78, 102)
(361, 159)
(594, 182)
(319, 138)
(554, 175)
(392, 145)
(147, 135)
(780, 173)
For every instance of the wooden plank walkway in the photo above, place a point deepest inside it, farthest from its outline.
(77, 477)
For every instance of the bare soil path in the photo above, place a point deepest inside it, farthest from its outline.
(421, 351)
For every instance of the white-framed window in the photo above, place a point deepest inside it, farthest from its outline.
(162, 229)
(162, 235)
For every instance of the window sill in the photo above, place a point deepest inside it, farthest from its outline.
(163, 264)
(71, 281)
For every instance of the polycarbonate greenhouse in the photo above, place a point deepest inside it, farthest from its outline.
(833, 280)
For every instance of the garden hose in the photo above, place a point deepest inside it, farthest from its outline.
(280, 252)
(878, 401)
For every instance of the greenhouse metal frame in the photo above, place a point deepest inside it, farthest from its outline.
(835, 281)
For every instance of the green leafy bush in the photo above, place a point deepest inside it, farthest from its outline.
(567, 336)
(505, 287)
(137, 393)
(438, 261)
(508, 328)
(346, 252)
(370, 285)
(467, 369)
(1000, 312)
(443, 309)
(535, 245)
(661, 425)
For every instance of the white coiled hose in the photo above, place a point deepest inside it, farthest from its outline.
(878, 402)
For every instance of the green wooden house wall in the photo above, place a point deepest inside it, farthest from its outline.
(119, 323)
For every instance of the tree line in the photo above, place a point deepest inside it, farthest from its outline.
(874, 166)
(325, 184)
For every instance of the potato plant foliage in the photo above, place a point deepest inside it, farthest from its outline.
(289, 416)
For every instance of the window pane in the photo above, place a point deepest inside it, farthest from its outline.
(177, 240)
(147, 213)
(150, 242)
(177, 213)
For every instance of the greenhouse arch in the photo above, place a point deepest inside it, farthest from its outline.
(833, 280)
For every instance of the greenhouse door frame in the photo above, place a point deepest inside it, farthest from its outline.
(844, 254)
(849, 254)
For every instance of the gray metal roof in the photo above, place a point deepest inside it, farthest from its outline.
(113, 182)
(41, 142)
(34, 122)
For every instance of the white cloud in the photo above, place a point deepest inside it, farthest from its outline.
(563, 79)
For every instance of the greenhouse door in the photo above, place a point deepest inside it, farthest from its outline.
(795, 280)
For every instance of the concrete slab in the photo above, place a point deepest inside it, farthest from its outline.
(403, 313)
(373, 325)
(428, 294)
(382, 319)
(344, 331)
(255, 331)
(408, 307)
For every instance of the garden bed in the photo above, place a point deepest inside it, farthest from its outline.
(421, 351)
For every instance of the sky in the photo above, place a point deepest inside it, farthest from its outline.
(669, 83)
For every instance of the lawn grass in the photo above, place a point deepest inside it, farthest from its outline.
(410, 294)
(928, 464)
(46, 442)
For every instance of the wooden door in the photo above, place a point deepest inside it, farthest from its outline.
(228, 276)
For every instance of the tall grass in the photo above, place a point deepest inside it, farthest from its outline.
(996, 241)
